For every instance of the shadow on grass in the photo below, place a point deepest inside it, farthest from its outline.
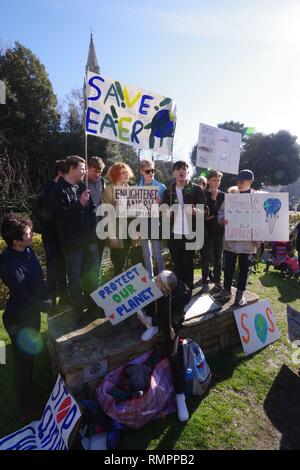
(287, 287)
(282, 406)
(43, 380)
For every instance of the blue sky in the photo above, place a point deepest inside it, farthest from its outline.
(220, 60)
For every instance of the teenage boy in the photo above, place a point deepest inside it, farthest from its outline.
(213, 240)
(186, 195)
(55, 262)
(241, 250)
(96, 186)
(74, 212)
(147, 172)
(21, 272)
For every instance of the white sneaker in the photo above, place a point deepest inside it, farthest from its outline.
(183, 414)
(149, 333)
(144, 319)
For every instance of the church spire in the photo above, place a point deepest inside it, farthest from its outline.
(92, 63)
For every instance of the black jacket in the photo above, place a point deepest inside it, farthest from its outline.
(43, 219)
(212, 226)
(76, 224)
(28, 296)
(192, 194)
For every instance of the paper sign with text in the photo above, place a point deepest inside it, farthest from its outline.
(126, 294)
(137, 201)
(257, 326)
(257, 216)
(129, 115)
(53, 430)
(218, 149)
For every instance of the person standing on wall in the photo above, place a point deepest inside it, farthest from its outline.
(152, 247)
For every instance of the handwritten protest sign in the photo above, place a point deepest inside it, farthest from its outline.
(257, 326)
(53, 430)
(137, 201)
(219, 149)
(126, 294)
(129, 115)
(293, 321)
(257, 216)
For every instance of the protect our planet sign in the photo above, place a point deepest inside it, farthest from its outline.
(257, 326)
(126, 294)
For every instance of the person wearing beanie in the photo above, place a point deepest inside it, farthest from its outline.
(242, 251)
(167, 314)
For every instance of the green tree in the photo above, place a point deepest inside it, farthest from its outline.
(33, 121)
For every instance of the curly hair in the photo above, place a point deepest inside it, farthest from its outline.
(13, 227)
(114, 171)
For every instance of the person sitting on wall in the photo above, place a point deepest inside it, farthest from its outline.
(167, 314)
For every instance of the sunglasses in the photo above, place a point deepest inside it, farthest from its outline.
(148, 172)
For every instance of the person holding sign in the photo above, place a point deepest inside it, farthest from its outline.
(147, 171)
(121, 247)
(241, 250)
(167, 314)
(214, 232)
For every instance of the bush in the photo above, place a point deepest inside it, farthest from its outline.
(39, 250)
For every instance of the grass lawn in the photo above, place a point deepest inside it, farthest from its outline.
(247, 394)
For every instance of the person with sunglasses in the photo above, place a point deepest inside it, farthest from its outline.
(147, 172)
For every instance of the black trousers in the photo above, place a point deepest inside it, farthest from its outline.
(244, 260)
(212, 252)
(120, 256)
(183, 261)
(23, 367)
(56, 268)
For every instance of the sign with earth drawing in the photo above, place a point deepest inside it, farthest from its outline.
(129, 115)
(257, 326)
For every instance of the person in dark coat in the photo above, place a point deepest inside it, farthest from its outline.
(21, 272)
(55, 261)
(167, 314)
(186, 196)
(75, 214)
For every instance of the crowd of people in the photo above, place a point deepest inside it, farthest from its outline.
(66, 215)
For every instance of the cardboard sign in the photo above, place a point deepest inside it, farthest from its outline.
(199, 305)
(219, 149)
(257, 326)
(129, 115)
(137, 201)
(52, 431)
(126, 294)
(293, 321)
(257, 216)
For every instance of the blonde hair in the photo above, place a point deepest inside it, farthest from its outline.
(145, 163)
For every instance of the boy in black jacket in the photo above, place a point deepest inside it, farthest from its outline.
(74, 213)
(21, 272)
(56, 266)
(186, 196)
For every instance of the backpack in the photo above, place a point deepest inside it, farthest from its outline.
(197, 371)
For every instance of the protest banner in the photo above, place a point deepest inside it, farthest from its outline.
(126, 294)
(257, 217)
(129, 115)
(53, 430)
(137, 201)
(257, 326)
(218, 149)
(293, 321)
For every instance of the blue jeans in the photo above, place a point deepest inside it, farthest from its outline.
(83, 275)
(157, 253)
